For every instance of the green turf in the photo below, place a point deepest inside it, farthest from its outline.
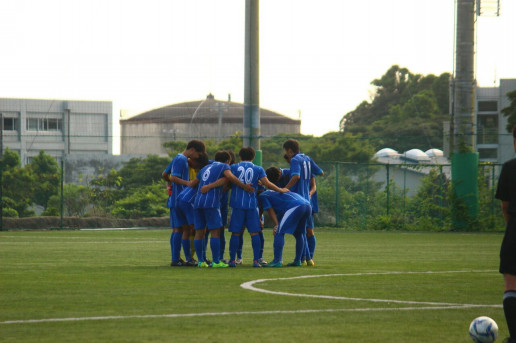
(79, 274)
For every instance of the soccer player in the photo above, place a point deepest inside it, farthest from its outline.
(506, 192)
(207, 205)
(244, 205)
(184, 208)
(302, 168)
(289, 213)
(177, 173)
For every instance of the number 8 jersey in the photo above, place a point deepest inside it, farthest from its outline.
(247, 173)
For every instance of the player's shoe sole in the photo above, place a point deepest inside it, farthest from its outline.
(219, 265)
(294, 264)
(274, 265)
(310, 263)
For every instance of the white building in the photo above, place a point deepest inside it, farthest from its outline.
(58, 127)
(493, 143)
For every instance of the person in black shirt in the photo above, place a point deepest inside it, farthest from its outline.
(506, 192)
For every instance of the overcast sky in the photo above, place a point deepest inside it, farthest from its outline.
(317, 58)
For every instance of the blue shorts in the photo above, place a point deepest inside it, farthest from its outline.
(250, 218)
(177, 219)
(207, 217)
(186, 210)
(295, 220)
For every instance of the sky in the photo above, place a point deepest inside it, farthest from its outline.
(317, 58)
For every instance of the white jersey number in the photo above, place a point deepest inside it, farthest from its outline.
(245, 175)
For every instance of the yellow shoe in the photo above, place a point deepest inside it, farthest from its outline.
(303, 263)
(310, 263)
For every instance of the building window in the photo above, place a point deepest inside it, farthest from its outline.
(487, 106)
(44, 124)
(11, 124)
(488, 153)
(487, 129)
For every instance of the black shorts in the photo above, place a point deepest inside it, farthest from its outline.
(508, 249)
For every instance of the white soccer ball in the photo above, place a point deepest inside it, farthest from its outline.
(483, 330)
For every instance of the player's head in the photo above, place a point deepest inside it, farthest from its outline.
(233, 157)
(222, 156)
(247, 154)
(194, 147)
(287, 158)
(202, 160)
(291, 147)
(273, 174)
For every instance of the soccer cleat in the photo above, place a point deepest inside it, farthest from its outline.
(294, 264)
(191, 263)
(310, 263)
(239, 261)
(303, 263)
(274, 265)
(256, 264)
(203, 265)
(262, 261)
(224, 260)
(219, 265)
(176, 264)
(232, 264)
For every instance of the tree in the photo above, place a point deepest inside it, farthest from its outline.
(17, 184)
(46, 173)
(510, 111)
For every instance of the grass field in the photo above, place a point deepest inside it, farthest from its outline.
(117, 286)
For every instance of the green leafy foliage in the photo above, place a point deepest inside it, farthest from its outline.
(46, 173)
(147, 201)
(510, 111)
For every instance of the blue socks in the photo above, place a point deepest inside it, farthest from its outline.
(176, 245)
(240, 245)
(262, 242)
(186, 249)
(311, 241)
(234, 241)
(222, 244)
(257, 245)
(300, 245)
(215, 248)
(199, 249)
(279, 242)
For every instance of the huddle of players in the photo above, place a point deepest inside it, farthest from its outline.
(197, 204)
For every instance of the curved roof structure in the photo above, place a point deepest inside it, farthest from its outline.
(434, 153)
(416, 155)
(206, 111)
(386, 152)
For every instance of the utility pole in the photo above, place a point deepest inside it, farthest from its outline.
(252, 78)
(464, 158)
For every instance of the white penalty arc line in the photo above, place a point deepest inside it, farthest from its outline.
(214, 314)
(250, 286)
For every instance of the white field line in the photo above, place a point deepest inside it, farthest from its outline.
(207, 314)
(250, 286)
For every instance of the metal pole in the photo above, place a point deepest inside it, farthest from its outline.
(387, 187)
(337, 194)
(62, 195)
(251, 75)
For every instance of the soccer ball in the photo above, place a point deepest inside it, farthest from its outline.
(483, 330)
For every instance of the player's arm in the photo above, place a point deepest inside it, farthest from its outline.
(265, 181)
(236, 181)
(165, 176)
(193, 183)
(274, 219)
(505, 208)
(293, 180)
(220, 182)
(313, 186)
(178, 180)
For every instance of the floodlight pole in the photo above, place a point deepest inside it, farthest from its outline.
(252, 78)
(464, 155)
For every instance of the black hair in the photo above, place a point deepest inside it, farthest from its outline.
(222, 156)
(291, 144)
(247, 154)
(197, 145)
(273, 174)
(202, 160)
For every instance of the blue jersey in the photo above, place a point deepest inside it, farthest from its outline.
(188, 195)
(305, 167)
(178, 167)
(284, 179)
(281, 202)
(247, 173)
(209, 174)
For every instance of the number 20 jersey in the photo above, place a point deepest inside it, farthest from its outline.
(247, 173)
